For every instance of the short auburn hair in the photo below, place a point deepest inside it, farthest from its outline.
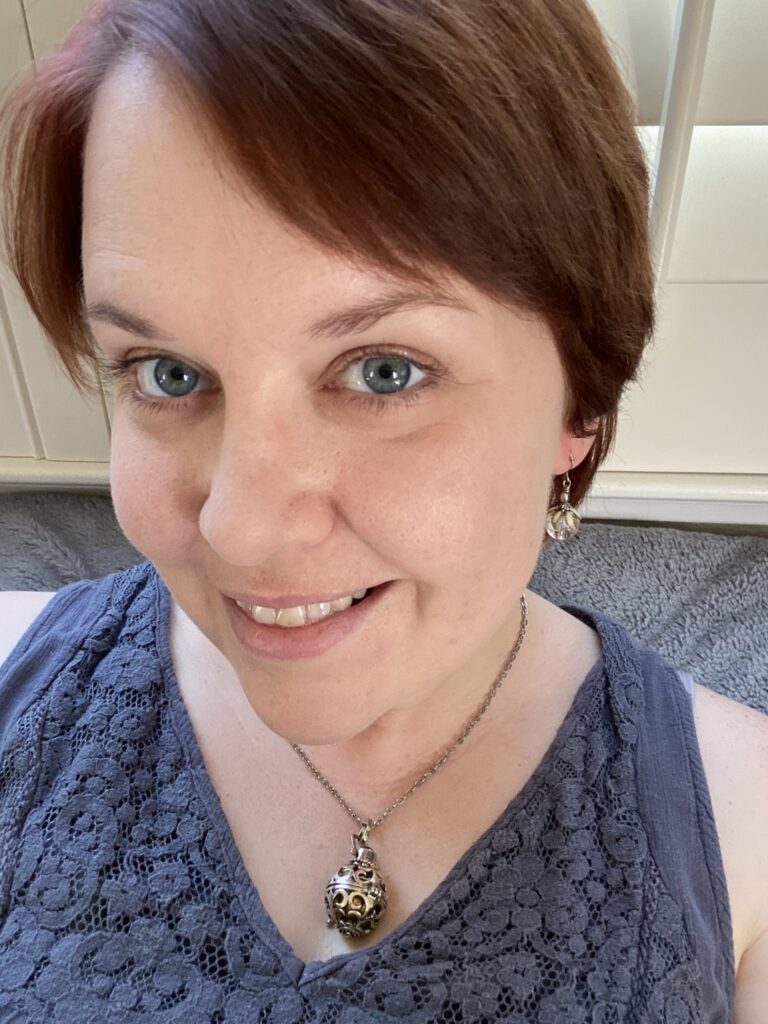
(494, 139)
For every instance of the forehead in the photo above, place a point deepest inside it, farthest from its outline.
(169, 226)
(153, 190)
(163, 216)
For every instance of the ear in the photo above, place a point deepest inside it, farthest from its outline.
(576, 447)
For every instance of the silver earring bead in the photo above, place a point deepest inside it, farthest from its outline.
(563, 520)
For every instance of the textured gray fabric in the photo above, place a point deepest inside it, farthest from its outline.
(597, 897)
(700, 599)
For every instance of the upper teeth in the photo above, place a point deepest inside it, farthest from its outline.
(301, 614)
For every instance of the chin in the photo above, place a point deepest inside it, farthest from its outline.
(310, 730)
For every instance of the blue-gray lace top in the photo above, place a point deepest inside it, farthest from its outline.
(597, 897)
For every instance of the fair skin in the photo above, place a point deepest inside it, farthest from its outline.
(274, 477)
(445, 496)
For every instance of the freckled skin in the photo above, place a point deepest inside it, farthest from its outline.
(276, 483)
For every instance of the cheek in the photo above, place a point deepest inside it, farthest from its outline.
(152, 503)
(460, 502)
(454, 502)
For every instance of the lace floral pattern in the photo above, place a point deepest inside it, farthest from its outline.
(122, 898)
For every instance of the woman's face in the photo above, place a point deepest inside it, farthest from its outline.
(277, 473)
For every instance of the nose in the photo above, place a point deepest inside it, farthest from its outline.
(269, 490)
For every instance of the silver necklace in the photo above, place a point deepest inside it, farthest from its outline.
(356, 896)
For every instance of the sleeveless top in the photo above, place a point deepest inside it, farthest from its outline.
(598, 896)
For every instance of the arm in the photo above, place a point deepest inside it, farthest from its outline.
(752, 978)
(733, 739)
(752, 983)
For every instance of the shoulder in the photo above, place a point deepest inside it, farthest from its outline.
(733, 740)
(18, 610)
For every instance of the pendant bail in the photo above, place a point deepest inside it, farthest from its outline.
(566, 492)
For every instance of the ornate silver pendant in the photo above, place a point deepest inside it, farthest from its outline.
(356, 896)
(563, 521)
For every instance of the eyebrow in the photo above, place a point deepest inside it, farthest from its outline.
(353, 319)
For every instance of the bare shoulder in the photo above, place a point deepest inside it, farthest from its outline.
(752, 983)
(733, 739)
(18, 610)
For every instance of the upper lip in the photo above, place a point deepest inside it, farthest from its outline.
(291, 600)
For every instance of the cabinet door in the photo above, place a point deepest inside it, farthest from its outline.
(691, 442)
(50, 20)
(43, 419)
(17, 429)
(700, 405)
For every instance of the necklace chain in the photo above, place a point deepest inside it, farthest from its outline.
(369, 825)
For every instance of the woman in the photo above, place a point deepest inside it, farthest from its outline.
(370, 279)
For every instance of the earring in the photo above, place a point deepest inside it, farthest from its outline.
(563, 520)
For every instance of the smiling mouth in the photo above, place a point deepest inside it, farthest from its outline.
(304, 615)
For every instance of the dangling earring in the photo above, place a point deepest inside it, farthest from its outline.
(563, 520)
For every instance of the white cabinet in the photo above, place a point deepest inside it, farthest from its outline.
(693, 436)
(49, 435)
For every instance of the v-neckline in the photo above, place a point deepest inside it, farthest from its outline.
(303, 972)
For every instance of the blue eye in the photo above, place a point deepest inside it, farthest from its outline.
(171, 374)
(389, 372)
(371, 368)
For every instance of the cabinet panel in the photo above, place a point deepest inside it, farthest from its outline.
(641, 33)
(14, 45)
(43, 416)
(70, 427)
(50, 20)
(16, 428)
(721, 230)
(734, 89)
(700, 404)
(17, 437)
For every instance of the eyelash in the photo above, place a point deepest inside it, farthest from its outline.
(122, 370)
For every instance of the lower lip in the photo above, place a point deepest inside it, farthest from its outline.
(284, 642)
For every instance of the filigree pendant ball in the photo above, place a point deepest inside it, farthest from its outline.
(356, 896)
(563, 521)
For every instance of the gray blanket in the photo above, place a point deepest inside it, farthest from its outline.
(700, 599)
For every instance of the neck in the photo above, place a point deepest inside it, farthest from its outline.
(379, 764)
(374, 767)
